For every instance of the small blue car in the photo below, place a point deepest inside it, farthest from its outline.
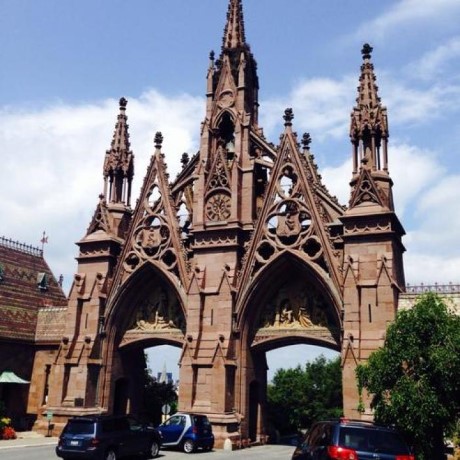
(187, 431)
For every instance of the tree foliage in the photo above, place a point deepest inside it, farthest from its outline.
(297, 397)
(414, 379)
(157, 394)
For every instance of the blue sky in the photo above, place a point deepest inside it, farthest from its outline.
(64, 65)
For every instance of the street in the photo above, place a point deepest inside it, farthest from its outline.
(268, 452)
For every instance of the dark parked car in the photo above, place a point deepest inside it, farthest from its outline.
(187, 431)
(104, 437)
(351, 440)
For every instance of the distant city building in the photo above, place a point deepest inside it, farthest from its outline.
(162, 378)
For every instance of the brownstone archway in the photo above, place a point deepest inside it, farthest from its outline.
(147, 311)
(264, 257)
(289, 302)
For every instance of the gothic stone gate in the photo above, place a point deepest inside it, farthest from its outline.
(246, 250)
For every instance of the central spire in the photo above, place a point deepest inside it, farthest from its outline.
(234, 36)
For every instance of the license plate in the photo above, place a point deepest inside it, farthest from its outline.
(74, 443)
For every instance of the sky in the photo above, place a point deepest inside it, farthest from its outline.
(65, 65)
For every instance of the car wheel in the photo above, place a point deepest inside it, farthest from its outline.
(188, 446)
(110, 455)
(154, 449)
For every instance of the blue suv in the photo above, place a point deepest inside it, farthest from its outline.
(187, 431)
(106, 437)
(346, 439)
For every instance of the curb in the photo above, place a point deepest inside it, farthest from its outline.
(23, 442)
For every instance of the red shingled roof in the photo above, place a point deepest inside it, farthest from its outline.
(21, 268)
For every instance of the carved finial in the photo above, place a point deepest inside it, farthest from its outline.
(158, 141)
(212, 55)
(306, 141)
(366, 51)
(184, 160)
(123, 103)
(288, 117)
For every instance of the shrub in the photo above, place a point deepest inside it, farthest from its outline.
(8, 433)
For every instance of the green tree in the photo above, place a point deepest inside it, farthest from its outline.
(297, 397)
(414, 380)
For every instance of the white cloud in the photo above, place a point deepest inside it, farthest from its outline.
(426, 201)
(424, 170)
(408, 104)
(295, 355)
(434, 63)
(52, 164)
(412, 169)
(409, 182)
(428, 269)
(412, 13)
(321, 106)
(438, 213)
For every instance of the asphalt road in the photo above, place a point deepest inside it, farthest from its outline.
(269, 452)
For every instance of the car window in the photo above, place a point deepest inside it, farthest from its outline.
(175, 420)
(114, 424)
(325, 438)
(313, 438)
(134, 425)
(200, 421)
(79, 427)
(372, 440)
(388, 441)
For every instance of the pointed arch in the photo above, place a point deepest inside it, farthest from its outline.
(314, 314)
(149, 300)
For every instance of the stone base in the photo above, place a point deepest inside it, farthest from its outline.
(60, 415)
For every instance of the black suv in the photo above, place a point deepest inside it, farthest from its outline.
(105, 437)
(351, 440)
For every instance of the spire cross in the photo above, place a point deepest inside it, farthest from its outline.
(44, 240)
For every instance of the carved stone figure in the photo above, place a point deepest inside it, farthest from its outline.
(157, 314)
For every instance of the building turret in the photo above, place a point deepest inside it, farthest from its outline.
(99, 249)
(373, 274)
(369, 137)
(119, 162)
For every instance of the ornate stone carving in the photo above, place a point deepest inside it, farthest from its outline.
(226, 99)
(375, 227)
(218, 207)
(207, 240)
(295, 307)
(158, 312)
(152, 238)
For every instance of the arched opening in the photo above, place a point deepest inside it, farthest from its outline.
(147, 326)
(163, 362)
(291, 356)
(291, 316)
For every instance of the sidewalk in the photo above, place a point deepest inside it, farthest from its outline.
(28, 439)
